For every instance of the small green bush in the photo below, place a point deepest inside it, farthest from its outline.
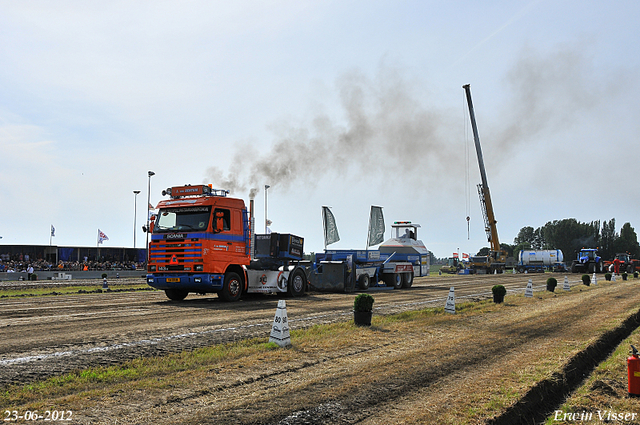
(586, 279)
(499, 290)
(363, 302)
(635, 275)
(104, 275)
(552, 282)
(624, 276)
(607, 276)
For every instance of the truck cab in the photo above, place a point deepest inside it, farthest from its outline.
(199, 243)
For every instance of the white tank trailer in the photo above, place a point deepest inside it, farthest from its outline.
(538, 260)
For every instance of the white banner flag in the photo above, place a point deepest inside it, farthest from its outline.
(102, 237)
(376, 226)
(330, 227)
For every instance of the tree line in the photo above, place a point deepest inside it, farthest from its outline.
(570, 235)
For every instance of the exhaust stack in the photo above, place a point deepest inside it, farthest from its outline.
(252, 224)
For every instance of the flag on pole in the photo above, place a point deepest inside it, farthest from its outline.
(53, 230)
(102, 237)
(330, 227)
(376, 226)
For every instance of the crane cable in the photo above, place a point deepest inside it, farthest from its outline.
(467, 185)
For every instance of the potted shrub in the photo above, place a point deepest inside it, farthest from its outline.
(635, 275)
(363, 309)
(624, 276)
(586, 279)
(104, 275)
(607, 276)
(498, 292)
(552, 282)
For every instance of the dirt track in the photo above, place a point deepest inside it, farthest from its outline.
(419, 383)
(44, 336)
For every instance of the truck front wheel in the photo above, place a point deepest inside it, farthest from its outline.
(232, 288)
(176, 294)
(363, 282)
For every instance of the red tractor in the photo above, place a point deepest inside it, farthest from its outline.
(624, 263)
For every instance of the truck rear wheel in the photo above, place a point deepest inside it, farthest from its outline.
(296, 284)
(393, 279)
(232, 288)
(592, 267)
(176, 294)
(407, 280)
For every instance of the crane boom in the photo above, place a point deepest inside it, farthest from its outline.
(490, 221)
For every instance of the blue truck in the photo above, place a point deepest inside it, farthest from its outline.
(392, 266)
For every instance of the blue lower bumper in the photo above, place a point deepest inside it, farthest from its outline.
(202, 283)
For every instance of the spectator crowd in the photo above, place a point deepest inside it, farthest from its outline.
(22, 263)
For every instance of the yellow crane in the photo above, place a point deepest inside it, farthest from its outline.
(497, 258)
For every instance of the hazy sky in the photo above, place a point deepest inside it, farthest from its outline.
(340, 103)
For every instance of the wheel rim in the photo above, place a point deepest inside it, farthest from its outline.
(298, 283)
(234, 287)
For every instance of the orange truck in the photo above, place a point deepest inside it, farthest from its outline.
(201, 242)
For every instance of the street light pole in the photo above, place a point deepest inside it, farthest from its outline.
(266, 220)
(135, 210)
(150, 173)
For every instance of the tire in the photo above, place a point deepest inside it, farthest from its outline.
(592, 267)
(574, 268)
(176, 294)
(297, 283)
(232, 288)
(630, 269)
(393, 279)
(407, 280)
(363, 282)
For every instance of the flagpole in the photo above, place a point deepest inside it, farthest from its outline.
(324, 228)
(368, 232)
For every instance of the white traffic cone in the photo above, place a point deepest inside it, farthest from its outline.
(595, 279)
(566, 286)
(280, 329)
(450, 306)
(529, 291)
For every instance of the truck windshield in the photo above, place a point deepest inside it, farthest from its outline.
(183, 219)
